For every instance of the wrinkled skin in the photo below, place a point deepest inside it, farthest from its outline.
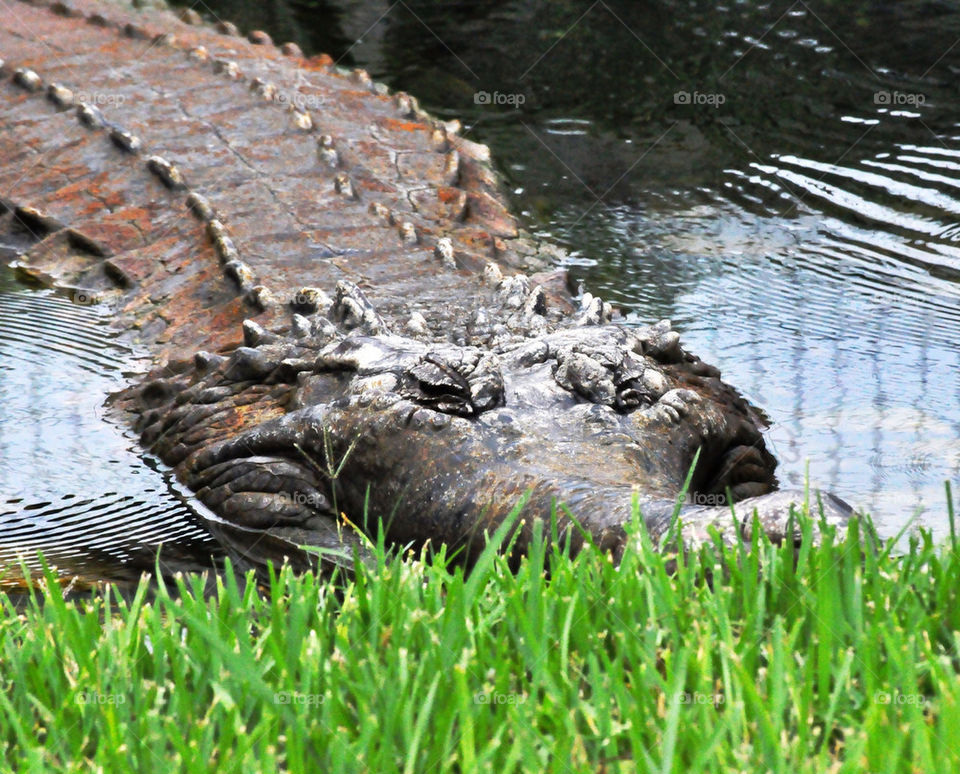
(208, 195)
(442, 440)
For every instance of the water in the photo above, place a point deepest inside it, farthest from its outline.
(72, 484)
(781, 180)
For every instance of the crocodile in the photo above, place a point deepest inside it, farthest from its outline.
(349, 329)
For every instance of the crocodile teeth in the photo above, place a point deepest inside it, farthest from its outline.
(381, 211)
(300, 326)
(361, 77)
(240, 273)
(260, 297)
(226, 249)
(206, 362)
(451, 168)
(354, 310)
(265, 89)
(255, 334)
(329, 157)
(134, 32)
(302, 120)
(191, 17)
(439, 140)
(216, 230)
(406, 105)
(260, 38)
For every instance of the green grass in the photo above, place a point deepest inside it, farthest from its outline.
(843, 659)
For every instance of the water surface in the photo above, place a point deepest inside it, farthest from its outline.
(72, 484)
(781, 180)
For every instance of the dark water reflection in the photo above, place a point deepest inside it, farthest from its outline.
(780, 179)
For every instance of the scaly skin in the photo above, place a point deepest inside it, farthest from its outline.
(210, 187)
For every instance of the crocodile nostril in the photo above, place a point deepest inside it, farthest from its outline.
(744, 470)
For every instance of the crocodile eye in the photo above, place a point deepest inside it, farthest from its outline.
(440, 385)
(459, 382)
(637, 384)
(611, 377)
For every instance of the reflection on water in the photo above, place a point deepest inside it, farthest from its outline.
(71, 484)
(859, 381)
(781, 179)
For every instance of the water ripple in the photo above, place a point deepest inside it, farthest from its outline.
(73, 486)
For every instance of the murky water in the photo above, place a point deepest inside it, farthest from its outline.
(781, 180)
(73, 485)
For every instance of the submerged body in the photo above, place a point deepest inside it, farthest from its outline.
(334, 293)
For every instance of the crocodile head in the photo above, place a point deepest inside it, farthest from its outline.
(339, 417)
